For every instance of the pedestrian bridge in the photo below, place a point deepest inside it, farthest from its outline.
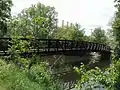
(55, 46)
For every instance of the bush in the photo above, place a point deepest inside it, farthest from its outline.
(109, 77)
(41, 75)
(13, 78)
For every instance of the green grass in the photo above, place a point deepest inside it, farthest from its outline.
(13, 78)
(1, 88)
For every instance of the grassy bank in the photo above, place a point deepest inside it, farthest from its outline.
(14, 78)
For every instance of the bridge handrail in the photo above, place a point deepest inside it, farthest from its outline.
(41, 39)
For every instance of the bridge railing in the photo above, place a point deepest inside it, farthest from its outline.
(48, 45)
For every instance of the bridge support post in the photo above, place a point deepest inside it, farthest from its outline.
(106, 58)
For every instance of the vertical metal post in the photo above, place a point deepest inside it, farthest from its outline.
(48, 42)
(65, 44)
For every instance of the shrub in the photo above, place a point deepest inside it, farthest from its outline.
(41, 75)
(109, 77)
(37, 78)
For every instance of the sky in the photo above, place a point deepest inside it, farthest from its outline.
(88, 13)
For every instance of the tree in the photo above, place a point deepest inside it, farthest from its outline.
(116, 26)
(37, 21)
(5, 13)
(116, 22)
(98, 36)
(111, 39)
(74, 32)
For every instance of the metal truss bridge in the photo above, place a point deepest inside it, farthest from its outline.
(55, 46)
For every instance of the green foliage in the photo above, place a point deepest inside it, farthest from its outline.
(69, 33)
(40, 74)
(111, 39)
(88, 79)
(116, 26)
(5, 13)
(109, 78)
(37, 21)
(37, 78)
(98, 36)
(19, 47)
(12, 78)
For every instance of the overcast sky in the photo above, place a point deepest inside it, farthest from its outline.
(88, 13)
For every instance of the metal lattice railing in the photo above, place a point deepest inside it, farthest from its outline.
(55, 45)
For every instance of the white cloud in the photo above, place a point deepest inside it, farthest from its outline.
(89, 13)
